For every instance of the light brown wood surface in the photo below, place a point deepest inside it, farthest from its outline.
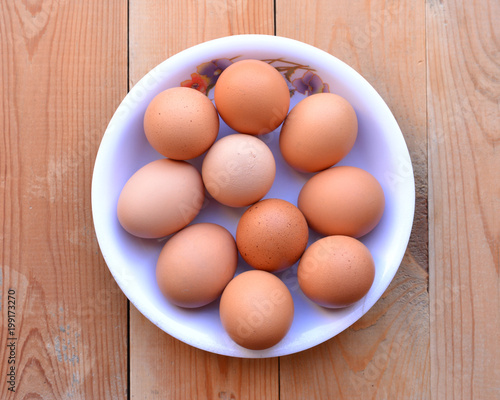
(64, 68)
(464, 198)
(63, 72)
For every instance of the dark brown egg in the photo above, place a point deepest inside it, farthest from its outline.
(272, 235)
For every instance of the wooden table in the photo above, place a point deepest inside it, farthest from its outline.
(66, 65)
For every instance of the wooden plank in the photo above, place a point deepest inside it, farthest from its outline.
(386, 354)
(464, 192)
(169, 369)
(159, 29)
(62, 74)
(161, 366)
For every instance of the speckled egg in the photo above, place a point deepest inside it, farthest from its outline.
(181, 123)
(272, 235)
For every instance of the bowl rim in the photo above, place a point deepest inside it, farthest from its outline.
(113, 129)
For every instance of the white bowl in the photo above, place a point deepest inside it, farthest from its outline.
(380, 149)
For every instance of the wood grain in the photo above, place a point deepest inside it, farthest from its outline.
(63, 71)
(159, 29)
(386, 354)
(163, 367)
(464, 192)
(62, 74)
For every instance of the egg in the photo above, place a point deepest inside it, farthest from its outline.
(336, 271)
(342, 200)
(318, 132)
(238, 170)
(196, 264)
(160, 198)
(252, 97)
(181, 123)
(272, 235)
(256, 310)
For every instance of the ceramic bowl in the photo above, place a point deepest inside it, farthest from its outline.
(380, 149)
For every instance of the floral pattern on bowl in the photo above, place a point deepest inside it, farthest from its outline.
(300, 78)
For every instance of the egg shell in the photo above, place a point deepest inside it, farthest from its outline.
(318, 132)
(336, 271)
(272, 235)
(196, 264)
(238, 170)
(342, 200)
(256, 309)
(252, 97)
(181, 123)
(160, 198)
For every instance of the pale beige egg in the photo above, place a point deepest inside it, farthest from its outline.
(160, 198)
(238, 170)
(196, 264)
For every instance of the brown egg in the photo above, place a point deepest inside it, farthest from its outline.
(336, 271)
(181, 123)
(196, 264)
(256, 310)
(342, 200)
(272, 235)
(160, 198)
(252, 97)
(318, 132)
(238, 170)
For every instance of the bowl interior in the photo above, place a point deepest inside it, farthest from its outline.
(380, 149)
